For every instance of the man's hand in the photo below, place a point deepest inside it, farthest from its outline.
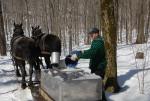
(76, 52)
(74, 57)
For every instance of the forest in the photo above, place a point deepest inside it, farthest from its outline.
(121, 22)
(72, 19)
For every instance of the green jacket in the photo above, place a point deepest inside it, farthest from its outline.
(96, 54)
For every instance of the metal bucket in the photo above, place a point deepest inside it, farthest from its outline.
(55, 58)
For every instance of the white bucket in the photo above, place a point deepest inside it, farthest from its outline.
(55, 58)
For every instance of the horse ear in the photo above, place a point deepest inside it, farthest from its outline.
(32, 27)
(14, 24)
(21, 24)
(38, 26)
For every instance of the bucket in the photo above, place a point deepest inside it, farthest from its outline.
(55, 57)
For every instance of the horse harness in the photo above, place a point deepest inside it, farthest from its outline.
(43, 44)
(41, 38)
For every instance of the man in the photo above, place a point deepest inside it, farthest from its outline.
(96, 54)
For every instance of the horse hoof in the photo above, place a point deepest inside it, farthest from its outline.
(23, 86)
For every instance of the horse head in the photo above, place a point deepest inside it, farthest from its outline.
(36, 31)
(18, 30)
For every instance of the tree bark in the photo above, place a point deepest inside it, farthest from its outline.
(109, 29)
(2, 34)
(141, 35)
(148, 23)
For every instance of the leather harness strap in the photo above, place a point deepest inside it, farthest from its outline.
(19, 58)
(43, 41)
(47, 53)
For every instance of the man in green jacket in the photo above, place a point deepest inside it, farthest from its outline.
(96, 54)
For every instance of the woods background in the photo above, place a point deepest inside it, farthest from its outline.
(72, 19)
(119, 21)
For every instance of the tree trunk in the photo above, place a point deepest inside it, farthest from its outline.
(141, 35)
(147, 24)
(2, 34)
(109, 29)
(27, 17)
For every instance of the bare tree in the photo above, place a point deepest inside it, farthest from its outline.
(148, 22)
(141, 36)
(2, 34)
(109, 29)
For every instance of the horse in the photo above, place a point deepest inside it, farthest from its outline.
(17, 32)
(23, 49)
(47, 43)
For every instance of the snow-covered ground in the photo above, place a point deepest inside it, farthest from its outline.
(9, 84)
(133, 77)
(133, 74)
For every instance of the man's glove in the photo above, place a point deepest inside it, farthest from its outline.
(76, 52)
(74, 57)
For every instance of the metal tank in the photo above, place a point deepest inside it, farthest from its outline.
(71, 85)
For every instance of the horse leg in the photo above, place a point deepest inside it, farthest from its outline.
(47, 61)
(16, 67)
(37, 71)
(37, 75)
(25, 73)
(40, 62)
(22, 67)
(30, 73)
(17, 71)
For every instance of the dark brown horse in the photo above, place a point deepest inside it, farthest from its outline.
(18, 32)
(47, 43)
(23, 49)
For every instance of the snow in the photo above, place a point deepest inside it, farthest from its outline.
(10, 89)
(133, 76)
